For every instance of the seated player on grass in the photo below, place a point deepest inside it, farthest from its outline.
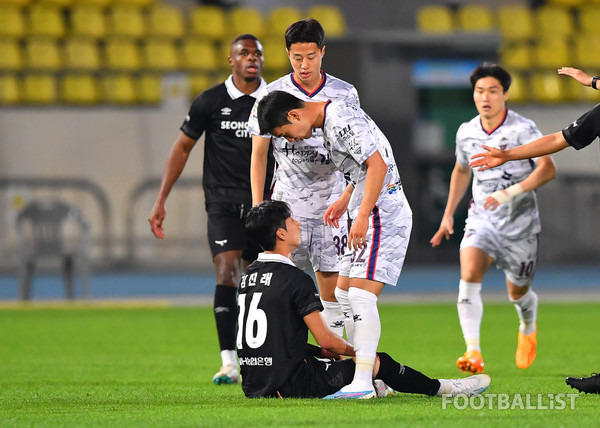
(278, 305)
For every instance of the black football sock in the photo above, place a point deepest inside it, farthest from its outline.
(403, 378)
(226, 312)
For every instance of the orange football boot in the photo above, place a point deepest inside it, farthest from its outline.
(526, 349)
(471, 361)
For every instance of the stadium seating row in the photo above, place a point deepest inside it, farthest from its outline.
(514, 21)
(144, 18)
(81, 88)
(547, 87)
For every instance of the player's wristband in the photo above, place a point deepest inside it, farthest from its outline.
(594, 80)
(507, 194)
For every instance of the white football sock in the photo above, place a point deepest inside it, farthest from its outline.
(367, 331)
(470, 312)
(229, 357)
(333, 316)
(342, 298)
(526, 308)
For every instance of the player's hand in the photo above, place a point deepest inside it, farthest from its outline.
(156, 217)
(489, 159)
(446, 229)
(491, 203)
(581, 76)
(357, 237)
(334, 213)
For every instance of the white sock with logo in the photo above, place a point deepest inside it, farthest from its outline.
(526, 308)
(342, 298)
(367, 331)
(470, 312)
(333, 316)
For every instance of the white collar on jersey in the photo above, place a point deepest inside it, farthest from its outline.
(271, 257)
(235, 93)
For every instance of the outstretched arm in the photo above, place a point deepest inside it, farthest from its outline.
(581, 76)
(178, 157)
(493, 157)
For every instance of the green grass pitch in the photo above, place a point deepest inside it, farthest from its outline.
(90, 366)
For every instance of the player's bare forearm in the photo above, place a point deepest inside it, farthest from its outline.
(545, 172)
(577, 74)
(325, 337)
(258, 167)
(338, 208)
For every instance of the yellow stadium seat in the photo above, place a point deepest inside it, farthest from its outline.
(199, 82)
(587, 52)
(42, 54)
(579, 93)
(122, 54)
(137, 3)
(209, 22)
(10, 89)
(166, 21)
(589, 17)
(243, 19)
(554, 21)
(56, 3)
(101, 3)
(435, 19)
(127, 21)
(548, 87)
(275, 56)
(516, 55)
(119, 88)
(39, 88)
(12, 23)
(567, 3)
(280, 18)
(551, 52)
(160, 55)
(199, 54)
(81, 54)
(79, 88)
(149, 88)
(15, 2)
(475, 18)
(515, 22)
(11, 58)
(47, 21)
(331, 18)
(88, 21)
(518, 92)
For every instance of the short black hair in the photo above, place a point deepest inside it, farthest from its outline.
(264, 219)
(246, 36)
(488, 69)
(306, 30)
(273, 110)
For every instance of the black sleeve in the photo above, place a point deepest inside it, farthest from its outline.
(198, 117)
(584, 130)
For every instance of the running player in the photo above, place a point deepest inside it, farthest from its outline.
(503, 223)
(222, 112)
(278, 307)
(305, 176)
(380, 214)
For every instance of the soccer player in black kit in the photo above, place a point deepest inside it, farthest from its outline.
(279, 304)
(222, 112)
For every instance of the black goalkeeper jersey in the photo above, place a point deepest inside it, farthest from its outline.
(584, 130)
(222, 112)
(274, 297)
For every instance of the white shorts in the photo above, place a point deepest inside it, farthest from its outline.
(383, 257)
(516, 258)
(321, 245)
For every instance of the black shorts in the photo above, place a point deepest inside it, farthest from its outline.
(316, 378)
(226, 229)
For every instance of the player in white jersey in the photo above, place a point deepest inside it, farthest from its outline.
(380, 214)
(305, 177)
(503, 223)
